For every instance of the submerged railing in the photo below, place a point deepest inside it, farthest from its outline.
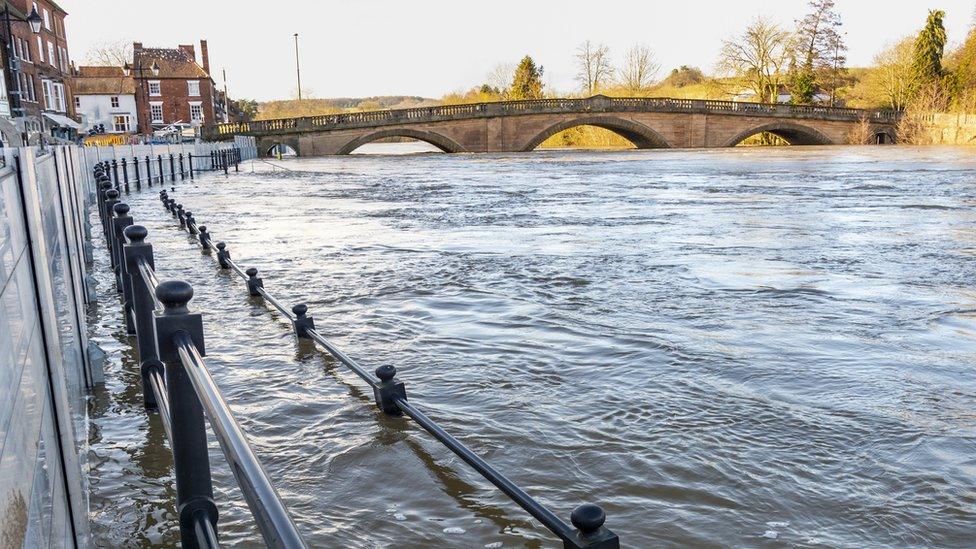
(177, 384)
(587, 529)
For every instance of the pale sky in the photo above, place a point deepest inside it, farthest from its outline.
(357, 48)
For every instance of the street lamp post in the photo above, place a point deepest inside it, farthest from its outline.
(128, 69)
(16, 103)
(298, 69)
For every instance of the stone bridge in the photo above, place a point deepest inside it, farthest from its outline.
(515, 126)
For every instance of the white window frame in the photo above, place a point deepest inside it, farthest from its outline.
(52, 56)
(77, 101)
(47, 18)
(196, 105)
(190, 84)
(48, 94)
(127, 124)
(159, 88)
(152, 108)
(58, 99)
(113, 101)
(40, 49)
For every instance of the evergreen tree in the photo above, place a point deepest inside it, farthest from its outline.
(929, 47)
(527, 82)
(819, 51)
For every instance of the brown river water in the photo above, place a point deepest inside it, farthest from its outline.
(723, 348)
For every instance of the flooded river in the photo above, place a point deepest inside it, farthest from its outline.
(749, 348)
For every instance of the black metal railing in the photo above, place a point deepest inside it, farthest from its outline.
(177, 384)
(126, 172)
(587, 529)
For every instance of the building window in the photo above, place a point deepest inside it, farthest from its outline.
(47, 19)
(114, 100)
(25, 53)
(196, 112)
(52, 57)
(59, 103)
(120, 123)
(40, 49)
(77, 101)
(46, 87)
(154, 88)
(193, 88)
(156, 112)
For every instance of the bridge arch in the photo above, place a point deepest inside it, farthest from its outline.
(440, 141)
(640, 135)
(794, 134)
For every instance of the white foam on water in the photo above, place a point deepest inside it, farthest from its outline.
(400, 516)
(493, 545)
(775, 524)
(771, 534)
(453, 530)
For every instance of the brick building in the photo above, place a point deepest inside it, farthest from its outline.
(41, 74)
(172, 87)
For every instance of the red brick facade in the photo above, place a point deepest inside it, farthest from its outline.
(182, 92)
(44, 64)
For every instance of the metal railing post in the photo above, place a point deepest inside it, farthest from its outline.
(179, 215)
(137, 251)
(303, 321)
(111, 199)
(159, 158)
(191, 226)
(172, 167)
(182, 172)
(135, 166)
(204, 238)
(125, 175)
(253, 282)
(191, 459)
(189, 160)
(115, 173)
(223, 256)
(148, 171)
(121, 220)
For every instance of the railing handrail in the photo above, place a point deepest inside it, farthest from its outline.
(597, 103)
(175, 378)
(266, 506)
(390, 395)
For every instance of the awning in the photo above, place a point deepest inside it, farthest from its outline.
(62, 120)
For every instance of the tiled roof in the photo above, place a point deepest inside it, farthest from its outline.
(172, 62)
(102, 81)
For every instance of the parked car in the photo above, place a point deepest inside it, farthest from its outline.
(177, 132)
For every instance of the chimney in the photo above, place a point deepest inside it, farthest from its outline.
(189, 51)
(136, 46)
(205, 56)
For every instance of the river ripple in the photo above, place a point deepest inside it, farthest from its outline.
(723, 348)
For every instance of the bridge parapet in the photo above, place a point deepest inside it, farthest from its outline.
(596, 104)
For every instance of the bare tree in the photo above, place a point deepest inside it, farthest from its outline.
(758, 56)
(639, 69)
(593, 64)
(110, 53)
(501, 75)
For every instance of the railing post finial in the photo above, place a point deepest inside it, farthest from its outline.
(303, 322)
(588, 519)
(223, 256)
(389, 390)
(253, 282)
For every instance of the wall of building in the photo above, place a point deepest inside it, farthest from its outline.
(98, 109)
(44, 370)
(175, 99)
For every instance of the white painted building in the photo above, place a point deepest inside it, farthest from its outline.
(105, 96)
